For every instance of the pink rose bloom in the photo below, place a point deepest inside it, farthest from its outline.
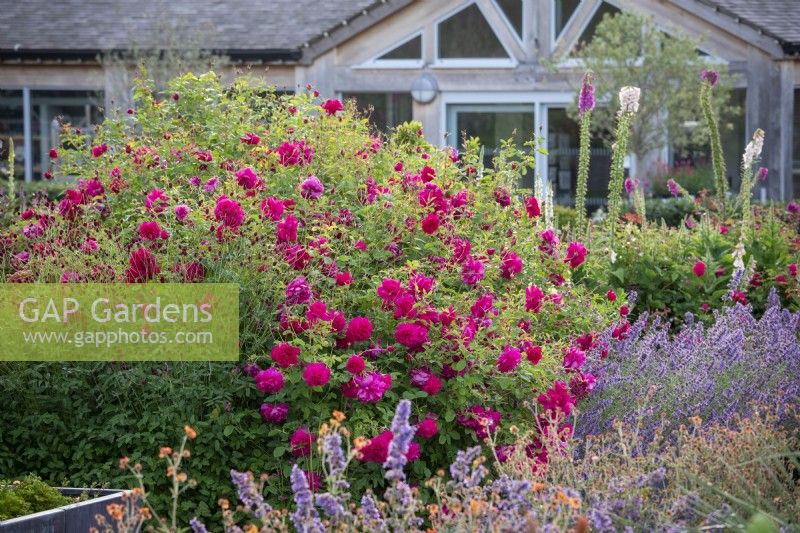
(344, 278)
(472, 272)
(181, 212)
(285, 355)
(510, 265)
(287, 229)
(430, 224)
(316, 374)
(557, 399)
(355, 364)
(427, 428)
(301, 441)
(371, 387)
(576, 254)
(411, 335)
(332, 106)
(574, 358)
(247, 178)
(311, 188)
(269, 381)
(532, 207)
(228, 212)
(89, 246)
(699, 269)
(151, 231)
(274, 413)
(99, 150)
(272, 208)
(358, 329)
(250, 138)
(508, 360)
(143, 266)
(533, 298)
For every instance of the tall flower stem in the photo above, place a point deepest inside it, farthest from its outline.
(708, 81)
(752, 153)
(585, 106)
(629, 105)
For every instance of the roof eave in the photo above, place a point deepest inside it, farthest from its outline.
(80, 55)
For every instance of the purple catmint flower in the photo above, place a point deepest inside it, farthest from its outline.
(197, 526)
(249, 494)
(586, 98)
(305, 517)
(464, 471)
(402, 433)
(372, 516)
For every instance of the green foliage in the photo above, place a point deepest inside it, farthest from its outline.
(694, 179)
(76, 420)
(657, 262)
(629, 49)
(673, 211)
(27, 496)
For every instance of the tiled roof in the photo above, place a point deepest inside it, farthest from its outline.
(124, 24)
(778, 18)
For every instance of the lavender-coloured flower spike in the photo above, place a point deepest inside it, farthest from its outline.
(586, 99)
(372, 516)
(197, 526)
(402, 433)
(305, 517)
(249, 494)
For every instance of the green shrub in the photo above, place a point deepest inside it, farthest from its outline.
(693, 179)
(27, 496)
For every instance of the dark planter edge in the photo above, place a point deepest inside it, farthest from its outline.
(73, 517)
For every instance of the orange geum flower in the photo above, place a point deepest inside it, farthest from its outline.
(165, 451)
(190, 432)
(123, 463)
(339, 416)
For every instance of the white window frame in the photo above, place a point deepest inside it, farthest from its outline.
(553, 36)
(472, 62)
(572, 62)
(539, 101)
(376, 63)
(520, 38)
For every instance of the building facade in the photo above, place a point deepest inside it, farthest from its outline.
(480, 67)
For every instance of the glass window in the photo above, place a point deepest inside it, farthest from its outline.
(53, 108)
(796, 146)
(11, 128)
(491, 123)
(411, 49)
(604, 10)
(512, 9)
(563, 10)
(563, 143)
(467, 35)
(385, 110)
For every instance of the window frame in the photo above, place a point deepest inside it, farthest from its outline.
(376, 63)
(473, 62)
(520, 38)
(555, 37)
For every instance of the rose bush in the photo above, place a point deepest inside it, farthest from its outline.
(370, 269)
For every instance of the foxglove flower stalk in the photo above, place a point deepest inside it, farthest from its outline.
(628, 106)
(709, 80)
(752, 153)
(585, 108)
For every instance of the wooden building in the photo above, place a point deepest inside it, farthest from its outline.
(474, 66)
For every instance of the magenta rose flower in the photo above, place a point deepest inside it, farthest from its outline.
(274, 413)
(411, 335)
(270, 380)
(316, 374)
